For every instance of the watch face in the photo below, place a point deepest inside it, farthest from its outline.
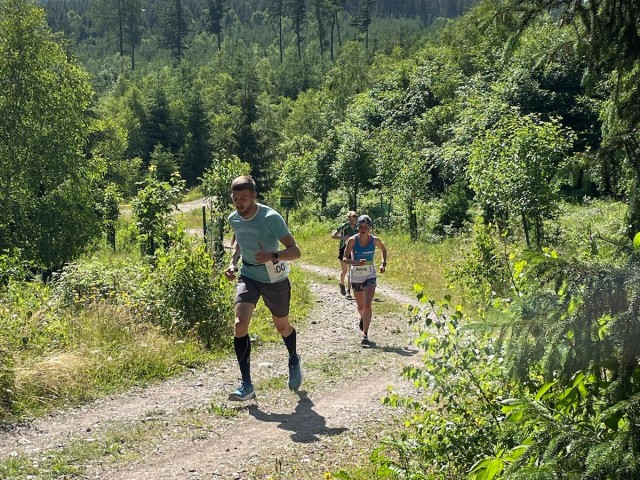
(276, 255)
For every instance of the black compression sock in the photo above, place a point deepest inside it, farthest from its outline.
(290, 342)
(242, 346)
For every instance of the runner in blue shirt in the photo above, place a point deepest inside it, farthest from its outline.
(259, 230)
(359, 254)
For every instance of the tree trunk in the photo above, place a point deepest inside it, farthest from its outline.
(280, 35)
(525, 228)
(413, 220)
(320, 29)
(333, 24)
(219, 244)
(121, 28)
(633, 215)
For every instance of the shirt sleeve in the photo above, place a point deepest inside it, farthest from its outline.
(278, 225)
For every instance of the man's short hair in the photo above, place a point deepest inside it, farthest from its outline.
(351, 214)
(243, 182)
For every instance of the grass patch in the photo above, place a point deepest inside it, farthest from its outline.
(275, 382)
(101, 349)
(118, 444)
(222, 411)
(191, 219)
(195, 193)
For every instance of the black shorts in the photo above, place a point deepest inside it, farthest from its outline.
(359, 287)
(341, 252)
(276, 296)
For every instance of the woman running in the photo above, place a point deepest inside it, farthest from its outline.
(359, 254)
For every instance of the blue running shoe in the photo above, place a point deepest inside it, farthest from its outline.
(242, 393)
(295, 373)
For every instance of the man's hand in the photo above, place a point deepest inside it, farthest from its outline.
(263, 256)
(230, 272)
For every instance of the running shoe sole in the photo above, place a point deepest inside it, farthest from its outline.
(238, 397)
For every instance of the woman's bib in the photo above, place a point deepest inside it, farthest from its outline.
(360, 273)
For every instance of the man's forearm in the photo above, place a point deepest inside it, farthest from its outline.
(289, 253)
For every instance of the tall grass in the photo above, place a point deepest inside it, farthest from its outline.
(113, 321)
(99, 349)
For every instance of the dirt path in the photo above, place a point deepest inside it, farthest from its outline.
(191, 431)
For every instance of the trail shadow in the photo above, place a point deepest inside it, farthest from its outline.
(304, 423)
(402, 351)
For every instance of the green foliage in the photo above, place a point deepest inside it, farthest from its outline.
(110, 210)
(151, 208)
(195, 299)
(7, 381)
(49, 186)
(514, 170)
(298, 167)
(11, 268)
(216, 184)
(454, 210)
(182, 293)
(484, 269)
(354, 167)
(456, 420)
(163, 163)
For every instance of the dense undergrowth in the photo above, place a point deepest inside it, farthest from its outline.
(539, 379)
(110, 321)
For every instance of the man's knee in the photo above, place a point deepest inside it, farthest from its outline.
(282, 325)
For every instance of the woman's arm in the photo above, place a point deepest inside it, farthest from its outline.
(383, 250)
(347, 252)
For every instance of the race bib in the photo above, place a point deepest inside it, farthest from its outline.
(277, 271)
(360, 273)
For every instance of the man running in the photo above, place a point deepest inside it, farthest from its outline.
(342, 233)
(259, 230)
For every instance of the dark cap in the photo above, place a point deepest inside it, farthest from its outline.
(364, 219)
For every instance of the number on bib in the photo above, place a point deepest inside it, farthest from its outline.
(277, 271)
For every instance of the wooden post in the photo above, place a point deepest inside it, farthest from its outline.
(204, 225)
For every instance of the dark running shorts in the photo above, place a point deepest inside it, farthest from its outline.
(341, 252)
(276, 296)
(359, 287)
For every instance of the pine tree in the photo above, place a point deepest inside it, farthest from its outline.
(214, 15)
(173, 29)
(298, 10)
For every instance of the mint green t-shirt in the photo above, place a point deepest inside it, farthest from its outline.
(266, 226)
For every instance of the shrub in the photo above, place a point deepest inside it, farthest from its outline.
(7, 381)
(196, 297)
(184, 293)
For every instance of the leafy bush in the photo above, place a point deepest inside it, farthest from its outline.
(7, 381)
(485, 270)
(457, 418)
(183, 293)
(454, 211)
(11, 268)
(193, 295)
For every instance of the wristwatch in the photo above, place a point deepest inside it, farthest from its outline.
(275, 255)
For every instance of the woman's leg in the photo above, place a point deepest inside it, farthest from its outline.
(367, 310)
